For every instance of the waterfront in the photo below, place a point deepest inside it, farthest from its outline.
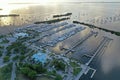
(106, 65)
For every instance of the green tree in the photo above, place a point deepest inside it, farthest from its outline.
(22, 57)
(28, 72)
(6, 58)
(0, 53)
(58, 77)
(32, 74)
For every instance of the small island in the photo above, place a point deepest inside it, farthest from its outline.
(67, 14)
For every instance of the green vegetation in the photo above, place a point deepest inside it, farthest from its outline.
(28, 72)
(17, 47)
(58, 77)
(44, 51)
(1, 47)
(76, 71)
(31, 53)
(31, 70)
(23, 39)
(44, 78)
(20, 76)
(0, 53)
(2, 36)
(67, 14)
(76, 68)
(5, 41)
(93, 26)
(5, 72)
(53, 73)
(52, 21)
(15, 58)
(22, 57)
(6, 58)
(1, 50)
(73, 64)
(59, 65)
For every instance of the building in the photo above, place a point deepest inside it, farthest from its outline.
(40, 57)
(17, 35)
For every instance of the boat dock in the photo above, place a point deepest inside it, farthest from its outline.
(54, 32)
(100, 49)
(80, 42)
(103, 44)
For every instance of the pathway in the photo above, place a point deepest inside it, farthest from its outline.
(13, 75)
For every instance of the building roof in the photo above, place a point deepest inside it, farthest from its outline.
(40, 57)
(21, 35)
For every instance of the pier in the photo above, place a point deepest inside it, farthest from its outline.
(100, 47)
(94, 71)
(79, 42)
(64, 36)
(54, 32)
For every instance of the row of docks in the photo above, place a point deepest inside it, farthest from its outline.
(104, 20)
(48, 27)
(90, 71)
(81, 41)
(100, 49)
(42, 27)
(53, 32)
(104, 43)
(63, 37)
(86, 70)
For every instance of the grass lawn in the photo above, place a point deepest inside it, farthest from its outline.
(73, 64)
(20, 76)
(5, 72)
(44, 78)
(76, 71)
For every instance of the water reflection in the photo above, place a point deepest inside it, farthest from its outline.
(90, 13)
(104, 20)
(103, 15)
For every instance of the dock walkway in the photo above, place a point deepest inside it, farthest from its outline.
(79, 42)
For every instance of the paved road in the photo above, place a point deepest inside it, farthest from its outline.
(13, 75)
(70, 75)
(84, 69)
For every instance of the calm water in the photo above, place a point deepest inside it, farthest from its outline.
(106, 15)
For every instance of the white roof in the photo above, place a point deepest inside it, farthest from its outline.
(21, 35)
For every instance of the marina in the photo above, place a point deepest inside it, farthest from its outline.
(66, 41)
(63, 37)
